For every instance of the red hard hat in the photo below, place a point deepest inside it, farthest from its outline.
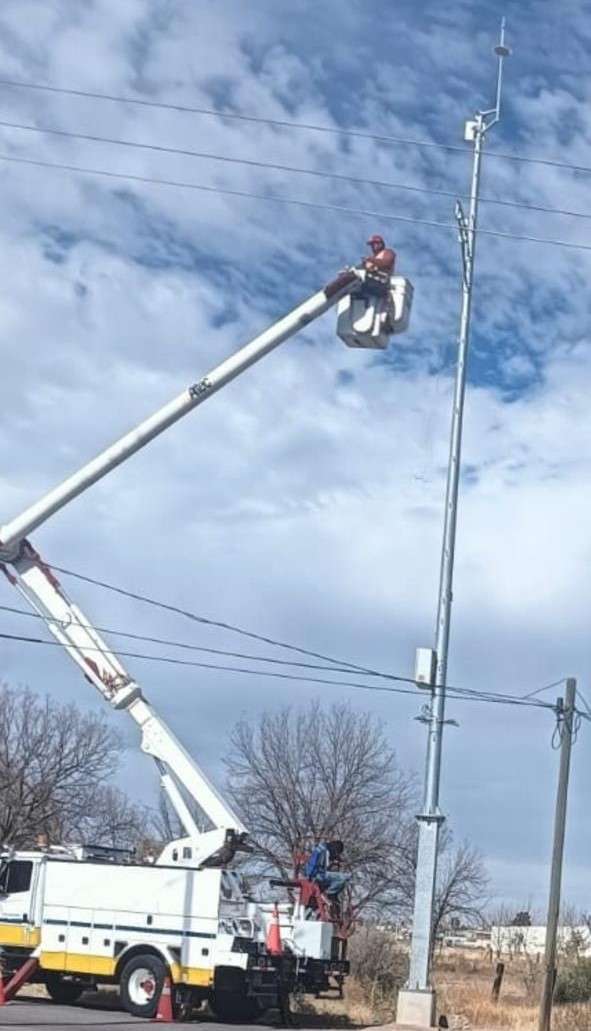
(376, 238)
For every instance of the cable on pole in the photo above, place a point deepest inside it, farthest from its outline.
(352, 670)
(204, 620)
(459, 694)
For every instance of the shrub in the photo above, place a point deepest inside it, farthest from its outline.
(574, 982)
(378, 964)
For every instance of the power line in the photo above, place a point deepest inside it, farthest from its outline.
(366, 671)
(546, 687)
(290, 169)
(313, 205)
(587, 714)
(206, 621)
(38, 162)
(287, 124)
(48, 620)
(457, 693)
(235, 116)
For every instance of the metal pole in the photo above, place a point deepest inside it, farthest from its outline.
(567, 718)
(431, 817)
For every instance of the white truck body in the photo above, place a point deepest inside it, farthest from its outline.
(85, 917)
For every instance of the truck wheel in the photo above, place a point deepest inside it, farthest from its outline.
(234, 1007)
(141, 983)
(62, 990)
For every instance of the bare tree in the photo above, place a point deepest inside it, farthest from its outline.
(55, 766)
(303, 776)
(462, 886)
(299, 777)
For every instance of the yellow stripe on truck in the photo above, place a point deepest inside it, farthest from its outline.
(19, 934)
(202, 978)
(77, 963)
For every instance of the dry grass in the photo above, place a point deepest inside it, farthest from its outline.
(469, 1003)
(354, 1011)
(464, 983)
(572, 1018)
(463, 994)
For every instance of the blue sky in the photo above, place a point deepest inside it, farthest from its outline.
(305, 501)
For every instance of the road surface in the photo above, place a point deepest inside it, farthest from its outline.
(29, 1013)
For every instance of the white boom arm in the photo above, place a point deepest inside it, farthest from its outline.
(68, 624)
(12, 533)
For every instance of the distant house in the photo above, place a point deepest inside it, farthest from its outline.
(509, 940)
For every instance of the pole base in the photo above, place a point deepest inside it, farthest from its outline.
(416, 1008)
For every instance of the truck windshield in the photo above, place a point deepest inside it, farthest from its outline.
(15, 876)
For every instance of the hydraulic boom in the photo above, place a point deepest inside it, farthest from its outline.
(180, 774)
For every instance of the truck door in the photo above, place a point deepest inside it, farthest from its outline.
(17, 885)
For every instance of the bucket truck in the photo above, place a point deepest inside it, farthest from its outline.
(87, 915)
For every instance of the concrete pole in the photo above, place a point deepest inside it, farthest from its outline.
(567, 722)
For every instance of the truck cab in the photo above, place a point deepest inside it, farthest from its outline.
(20, 878)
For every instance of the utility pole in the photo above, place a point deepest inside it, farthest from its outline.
(416, 1005)
(566, 717)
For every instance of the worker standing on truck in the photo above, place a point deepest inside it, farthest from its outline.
(323, 867)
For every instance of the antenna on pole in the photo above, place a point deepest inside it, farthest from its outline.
(502, 51)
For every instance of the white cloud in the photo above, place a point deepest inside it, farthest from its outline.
(306, 499)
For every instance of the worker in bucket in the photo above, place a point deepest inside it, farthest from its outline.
(379, 266)
(323, 867)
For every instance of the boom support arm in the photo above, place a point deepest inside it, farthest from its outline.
(36, 582)
(101, 667)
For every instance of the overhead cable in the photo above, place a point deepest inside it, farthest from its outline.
(352, 670)
(459, 695)
(331, 130)
(205, 620)
(166, 606)
(149, 639)
(278, 123)
(546, 687)
(269, 198)
(290, 169)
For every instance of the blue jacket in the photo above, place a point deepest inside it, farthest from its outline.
(317, 865)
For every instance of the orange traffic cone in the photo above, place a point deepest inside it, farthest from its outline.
(274, 943)
(164, 1011)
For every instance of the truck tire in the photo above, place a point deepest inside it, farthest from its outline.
(141, 983)
(62, 990)
(234, 1007)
